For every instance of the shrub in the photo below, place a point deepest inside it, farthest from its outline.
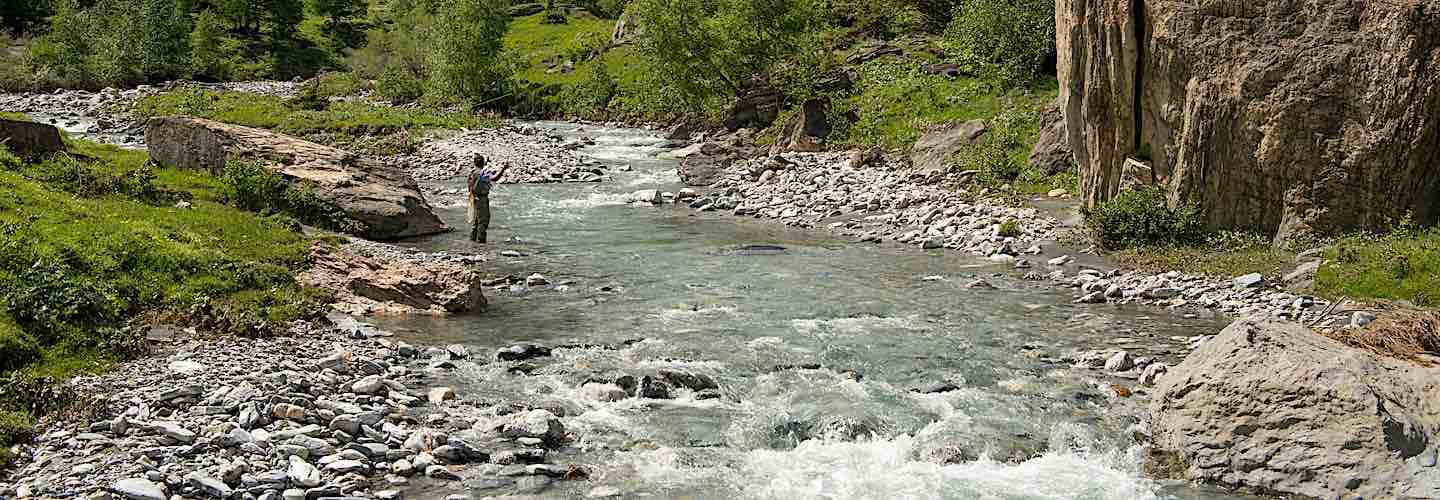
(1141, 217)
(1007, 40)
(1011, 229)
(463, 57)
(17, 348)
(399, 87)
(879, 18)
(712, 48)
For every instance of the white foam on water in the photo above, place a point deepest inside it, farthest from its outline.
(851, 326)
(596, 200)
(885, 469)
(658, 178)
(696, 312)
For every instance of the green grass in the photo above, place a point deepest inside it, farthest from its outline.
(1403, 265)
(375, 129)
(1206, 259)
(93, 248)
(897, 102)
(537, 43)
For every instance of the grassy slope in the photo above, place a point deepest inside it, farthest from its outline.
(82, 259)
(373, 129)
(537, 43)
(1400, 266)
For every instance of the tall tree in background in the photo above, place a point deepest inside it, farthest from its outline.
(711, 47)
(19, 17)
(336, 10)
(206, 50)
(463, 60)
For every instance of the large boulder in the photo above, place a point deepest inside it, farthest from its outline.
(757, 106)
(1285, 117)
(806, 130)
(364, 285)
(383, 198)
(1052, 153)
(30, 139)
(935, 147)
(1276, 407)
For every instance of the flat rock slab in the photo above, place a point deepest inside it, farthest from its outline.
(384, 199)
(30, 139)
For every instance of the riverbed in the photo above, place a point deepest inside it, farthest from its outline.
(845, 370)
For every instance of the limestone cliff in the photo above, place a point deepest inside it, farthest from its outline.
(1280, 116)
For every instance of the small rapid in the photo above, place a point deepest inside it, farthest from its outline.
(840, 370)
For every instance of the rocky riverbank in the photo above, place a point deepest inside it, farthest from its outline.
(328, 412)
(532, 155)
(105, 117)
(872, 200)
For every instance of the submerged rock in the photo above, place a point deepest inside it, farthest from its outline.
(1274, 406)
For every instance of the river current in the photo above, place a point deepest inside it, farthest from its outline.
(818, 351)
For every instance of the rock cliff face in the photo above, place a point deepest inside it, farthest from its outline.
(1281, 116)
(383, 198)
(1275, 407)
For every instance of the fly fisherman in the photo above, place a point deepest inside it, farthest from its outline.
(480, 182)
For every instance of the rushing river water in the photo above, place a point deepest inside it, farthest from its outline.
(816, 350)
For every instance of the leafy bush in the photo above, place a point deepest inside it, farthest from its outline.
(1142, 217)
(712, 48)
(1006, 40)
(463, 60)
(879, 18)
(398, 86)
(1011, 229)
(17, 348)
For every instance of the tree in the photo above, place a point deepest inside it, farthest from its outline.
(206, 57)
(711, 47)
(1007, 40)
(284, 18)
(463, 60)
(336, 10)
(19, 16)
(163, 31)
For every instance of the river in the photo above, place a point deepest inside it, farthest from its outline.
(816, 350)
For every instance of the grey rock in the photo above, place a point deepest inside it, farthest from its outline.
(1152, 374)
(1252, 280)
(441, 472)
(1119, 362)
(302, 474)
(539, 424)
(138, 489)
(208, 485)
(1232, 410)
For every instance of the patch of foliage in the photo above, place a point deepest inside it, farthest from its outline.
(712, 47)
(1009, 41)
(883, 19)
(340, 123)
(1142, 216)
(251, 186)
(92, 247)
(1403, 264)
(451, 50)
(1223, 254)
